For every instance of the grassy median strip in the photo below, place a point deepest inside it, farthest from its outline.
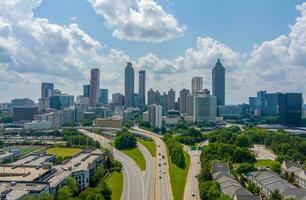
(178, 178)
(137, 156)
(150, 145)
(115, 182)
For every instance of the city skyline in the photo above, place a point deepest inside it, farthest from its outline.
(152, 99)
(274, 62)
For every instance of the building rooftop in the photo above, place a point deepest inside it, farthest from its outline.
(33, 160)
(228, 184)
(21, 173)
(4, 155)
(13, 190)
(272, 181)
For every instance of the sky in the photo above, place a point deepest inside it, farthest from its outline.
(262, 44)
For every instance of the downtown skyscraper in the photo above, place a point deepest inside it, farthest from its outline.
(196, 85)
(47, 90)
(129, 85)
(94, 87)
(142, 88)
(218, 83)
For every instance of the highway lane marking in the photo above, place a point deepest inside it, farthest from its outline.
(148, 162)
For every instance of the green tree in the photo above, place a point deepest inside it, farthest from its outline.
(275, 195)
(253, 188)
(205, 174)
(210, 190)
(105, 191)
(30, 197)
(242, 140)
(97, 176)
(45, 196)
(291, 178)
(245, 168)
(72, 185)
(224, 197)
(87, 122)
(124, 140)
(276, 167)
(6, 119)
(64, 194)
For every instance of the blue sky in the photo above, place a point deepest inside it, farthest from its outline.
(238, 23)
(261, 43)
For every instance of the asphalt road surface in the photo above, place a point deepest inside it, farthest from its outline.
(149, 174)
(163, 189)
(192, 186)
(134, 186)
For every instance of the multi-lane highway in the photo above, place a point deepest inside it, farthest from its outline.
(134, 185)
(149, 174)
(191, 187)
(163, 190)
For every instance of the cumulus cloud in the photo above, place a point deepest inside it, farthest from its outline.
(138, 20)
(33, 50)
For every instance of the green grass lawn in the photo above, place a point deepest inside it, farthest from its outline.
(263, 163)
(150, 145)
(115, 182)
(178, 178)
(64, 152)
(137, 156)
(24, 149)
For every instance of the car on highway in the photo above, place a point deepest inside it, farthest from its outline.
(193, 194)
(163, 156)
(160, 177)
(164, 162)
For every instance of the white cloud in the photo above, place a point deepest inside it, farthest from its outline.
(138, 20)
(33, 50)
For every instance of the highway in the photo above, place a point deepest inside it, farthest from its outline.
(149, 174)
(192, 184)
(134, 186)
(163, 190)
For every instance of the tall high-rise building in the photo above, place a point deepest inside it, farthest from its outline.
(129, 86)
(218, 83)
(24, 113)
(142, 88)
(260, 105)
(271, 104)
(205, 108)
(155, 115)
(189, 105)
(118, 99)
(94, 87)
(196, 85)
(61, 102)
(171, 99)
(47, 90)
(163, 101)
(24, 102)
(103, 98)
(136, 100)
(183, 101)
(153, 97)
(290, 108)
(86, 90)
(252, 103)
